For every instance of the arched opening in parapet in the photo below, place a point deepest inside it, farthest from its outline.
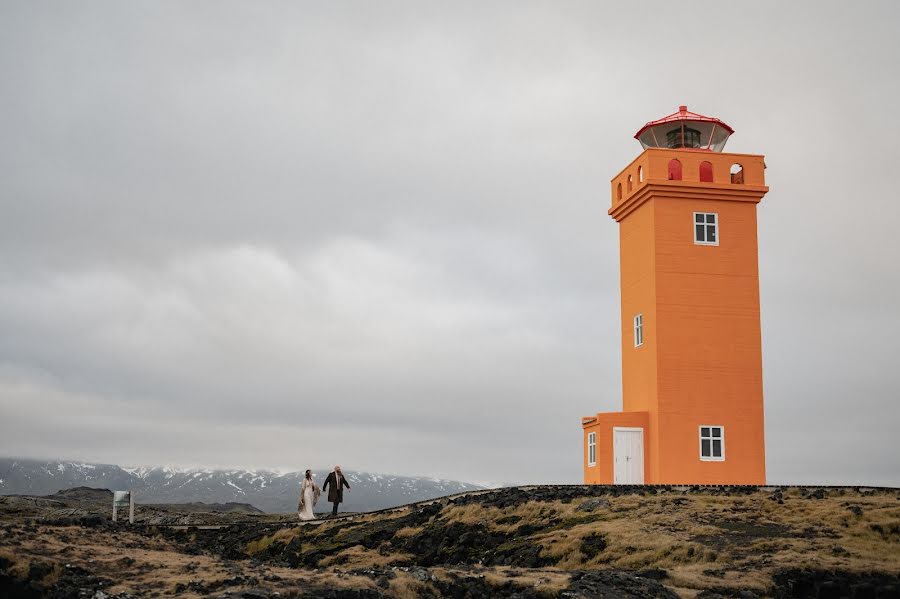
(674, 170)
(630, 183)
(737, 173)
(619, 191)
(706, 171)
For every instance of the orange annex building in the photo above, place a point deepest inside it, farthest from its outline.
(692, 408)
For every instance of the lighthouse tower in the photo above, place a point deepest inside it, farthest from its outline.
(692, 408)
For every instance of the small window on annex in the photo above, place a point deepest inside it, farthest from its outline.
(706, 228)
(639, 330)
(592, 449)
(712, 443)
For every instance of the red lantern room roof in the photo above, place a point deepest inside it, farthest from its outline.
(709, 132)
(683, 115)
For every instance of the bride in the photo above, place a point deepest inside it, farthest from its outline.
(309, 496)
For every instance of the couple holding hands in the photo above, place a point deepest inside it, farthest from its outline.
(309, 492)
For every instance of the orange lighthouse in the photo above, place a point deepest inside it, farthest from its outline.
(691, 352)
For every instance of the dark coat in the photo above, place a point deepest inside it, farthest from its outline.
(335, 491)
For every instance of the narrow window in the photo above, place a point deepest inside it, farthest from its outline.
(674, 170)
(737, 173)
(706, 172)
(639, 330)
(592, 449)
(619, 191)
(640, 174)
(706, 228)
(712, 443)
(630, 183)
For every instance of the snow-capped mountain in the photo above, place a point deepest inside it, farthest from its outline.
(269, 491)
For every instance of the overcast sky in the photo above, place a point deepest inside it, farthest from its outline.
(290, 234)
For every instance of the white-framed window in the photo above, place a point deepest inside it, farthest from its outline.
(712, 443)
(638, 330)
(592, 449)
(706, 228)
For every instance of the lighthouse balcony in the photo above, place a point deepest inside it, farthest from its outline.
(660, 167)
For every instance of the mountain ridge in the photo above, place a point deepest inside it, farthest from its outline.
(268, 490)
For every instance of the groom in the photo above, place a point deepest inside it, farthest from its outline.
(335, 483)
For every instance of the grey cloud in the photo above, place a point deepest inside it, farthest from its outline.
(231, 229)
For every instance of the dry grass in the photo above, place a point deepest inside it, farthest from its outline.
(404, 586)
(140, 564)
(408, 531)
(19, 565)
(52, 577)
(702, 540)
(359, 557)
(548, 582)
(705, 540)
(508, 520)
(688, 580)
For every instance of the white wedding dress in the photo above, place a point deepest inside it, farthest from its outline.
(308, 494)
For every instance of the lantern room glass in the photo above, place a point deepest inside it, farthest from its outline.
(683, 137)
(697, 136)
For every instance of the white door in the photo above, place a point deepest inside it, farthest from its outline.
(628, 456)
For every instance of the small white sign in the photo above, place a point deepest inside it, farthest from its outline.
(122, 499)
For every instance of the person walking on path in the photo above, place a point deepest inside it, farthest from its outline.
(309, 496)
(335, 483)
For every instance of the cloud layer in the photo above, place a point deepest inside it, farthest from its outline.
(286, 235)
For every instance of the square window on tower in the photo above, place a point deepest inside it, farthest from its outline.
(712, 443)
(706, 228)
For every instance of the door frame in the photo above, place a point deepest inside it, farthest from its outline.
(629, 429)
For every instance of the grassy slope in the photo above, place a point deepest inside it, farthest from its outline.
(540, 541)
(701, 540)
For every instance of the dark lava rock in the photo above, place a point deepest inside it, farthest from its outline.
(476, 587)
(653, 574)
(857, 511)
(194, 586)
(726, 594)
(12, 588)
(612, 583)
(838, 584)
(421, 574)
(250, 581)
(72, 582)
(229, 542)
(593, 545)
(85, 520)
(458, 543)
(332, 593)
(38, 570)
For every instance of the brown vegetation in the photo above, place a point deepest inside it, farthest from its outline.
(690, 540)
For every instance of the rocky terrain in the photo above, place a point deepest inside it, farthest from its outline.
(269, 491)
(547, 541)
